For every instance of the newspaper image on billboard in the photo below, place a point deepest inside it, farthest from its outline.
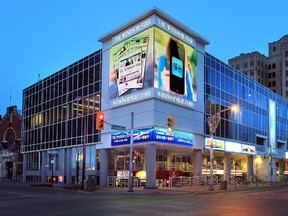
(128, 65)
(130, 71)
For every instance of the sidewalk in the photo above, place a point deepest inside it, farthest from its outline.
(161, 190)
(187, 190)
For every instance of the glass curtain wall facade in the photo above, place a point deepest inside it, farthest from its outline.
(54, 109)
(53, 116)
(225, 86)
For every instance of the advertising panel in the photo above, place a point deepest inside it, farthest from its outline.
(218, 144)
(176, 66)
(239, 148)
(233, 147)
(153, 58)
(131, 65)
(152, 134)
(248, 149)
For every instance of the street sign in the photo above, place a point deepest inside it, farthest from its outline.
(118, 127)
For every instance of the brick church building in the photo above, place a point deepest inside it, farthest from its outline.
(11, 162)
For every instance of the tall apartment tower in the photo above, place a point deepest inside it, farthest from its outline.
(271, 71)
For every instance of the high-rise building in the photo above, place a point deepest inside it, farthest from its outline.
(270, 71)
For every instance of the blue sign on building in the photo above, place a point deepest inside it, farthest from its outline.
(152, 134)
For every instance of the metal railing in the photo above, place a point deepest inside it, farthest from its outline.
(183, 181)
(188, 181)
(175, 166)
(113, 181)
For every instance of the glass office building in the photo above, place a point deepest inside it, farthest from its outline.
(261, 122)
(125, 77)
(53, 119)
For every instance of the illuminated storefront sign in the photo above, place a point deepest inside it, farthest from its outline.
(153, 59)
(248, 149)
(218, 144)
(233, 147)
(149, 134)
(239, 148)
(123, 174)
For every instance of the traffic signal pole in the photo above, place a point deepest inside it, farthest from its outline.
(130, 179)
(170, 123)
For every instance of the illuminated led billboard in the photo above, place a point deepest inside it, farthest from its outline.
(131, 65)
(176, 63)
(153, 59)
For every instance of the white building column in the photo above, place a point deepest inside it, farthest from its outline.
(281, 169)
(67, 169)
(197, 162)
(44, 167)
(249, 166)
(227, 166)
(104, 163)
(270, 169)
(150, 160)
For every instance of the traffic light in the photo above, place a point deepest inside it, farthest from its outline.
(136, 157)
(100, 119)
(170, 124)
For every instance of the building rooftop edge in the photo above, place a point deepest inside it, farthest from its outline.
(158, 12)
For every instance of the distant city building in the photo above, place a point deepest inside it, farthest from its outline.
(10, 141)
(271, 71)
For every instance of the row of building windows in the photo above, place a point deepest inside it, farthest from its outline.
(271, 84)
(55, 109)
(270, 67)
(92, 60)
(62, 112)
(252, 98)
(64, 90)
(77, 155)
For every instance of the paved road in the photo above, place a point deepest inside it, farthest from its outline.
(26, 200)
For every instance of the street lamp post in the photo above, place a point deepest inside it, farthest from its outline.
(84, 140)
(52, 161)
(52, 168)
(213, 122)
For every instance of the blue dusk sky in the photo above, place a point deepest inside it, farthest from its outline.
(40, 37)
